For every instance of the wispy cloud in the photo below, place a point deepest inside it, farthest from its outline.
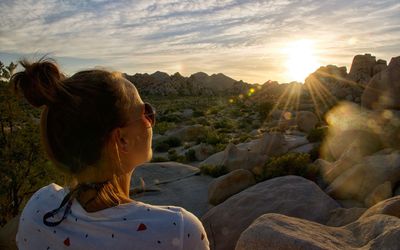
(243, 39)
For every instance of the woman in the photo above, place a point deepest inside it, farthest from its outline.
(96, 128)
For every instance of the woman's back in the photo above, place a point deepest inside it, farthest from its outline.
(134, 225)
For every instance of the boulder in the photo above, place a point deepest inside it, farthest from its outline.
(383, 90)
(388, 207)
(227, 185)
(379, 66)
(8, 233)
(380, 193)
(187, 113)
(362, 68)
(268, 144)
(330, 171)
(187, 133)
(172, 183)
(295, 141)
(202, 151)
(276, 231)
(159, 172)
(343, 216)
(289, 195)
(235, 158)
(360, 180)
(307, 148)
(248, 155)
(306, 120)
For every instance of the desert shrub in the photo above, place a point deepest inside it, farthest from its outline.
(162, 126)
(190, 155)
(317, 134)
(315, 152)
(214, 171)
(288, 164)
(224, 124)
(181, 159)
(170, 118)
(161, 147)
(24, 167)
(198, 113)
(159, 159)
(172, 155)
(173, 142)
(203, 121)
(263, 109)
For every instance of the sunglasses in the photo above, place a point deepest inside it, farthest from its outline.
(150, 113)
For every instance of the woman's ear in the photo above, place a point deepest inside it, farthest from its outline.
(119, 136)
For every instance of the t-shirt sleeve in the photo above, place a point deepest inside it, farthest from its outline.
(194, 235)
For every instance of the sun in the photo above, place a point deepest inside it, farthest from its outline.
(301, 60)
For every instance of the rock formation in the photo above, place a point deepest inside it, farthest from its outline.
(383, 91)
(289, 195)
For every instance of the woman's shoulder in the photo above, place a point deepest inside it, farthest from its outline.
(44, 196)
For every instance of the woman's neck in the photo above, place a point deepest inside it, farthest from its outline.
(113, 192)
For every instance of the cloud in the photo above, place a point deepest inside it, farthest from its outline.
(243, 39)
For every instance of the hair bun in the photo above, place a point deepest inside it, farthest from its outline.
(40, 82)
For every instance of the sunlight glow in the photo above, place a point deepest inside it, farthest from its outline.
(301, 60)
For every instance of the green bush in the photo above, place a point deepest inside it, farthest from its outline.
(315, 152)
(190, 155)
(288, 164)
(161, 127)
(198, 113)
(214, 171)
(159, 159)
(317, 134)
(224, 124)
(172, 155)
(263, 109)
(161, 147)
(173, 142)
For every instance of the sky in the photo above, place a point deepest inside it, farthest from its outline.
(253, 41)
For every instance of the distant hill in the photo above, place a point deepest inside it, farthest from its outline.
(197, 84)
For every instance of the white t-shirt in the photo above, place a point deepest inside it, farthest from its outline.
(134, 225)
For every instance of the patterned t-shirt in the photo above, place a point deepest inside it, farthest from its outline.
(134, 225)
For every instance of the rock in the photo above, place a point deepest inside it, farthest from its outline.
(171, 183)
(187, 133)
(187, 113)
(351, 204)
(330, 171)
(202, 151)
(362, 68)
(276, 231)
(160, 172)
(360, 180)
(380, 193)
(306, 120)
(388, 207)
(383, 90)
(227, 185)
(379, 66)
(304, 149)
(235, 158)
(8, 233)
(294, 141)
(289, 195)
(248, 155)
(268, 144)
(343, 216)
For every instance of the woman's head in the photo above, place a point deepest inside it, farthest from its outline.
(92, 119)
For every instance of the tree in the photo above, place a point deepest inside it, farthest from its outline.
(23, 165)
